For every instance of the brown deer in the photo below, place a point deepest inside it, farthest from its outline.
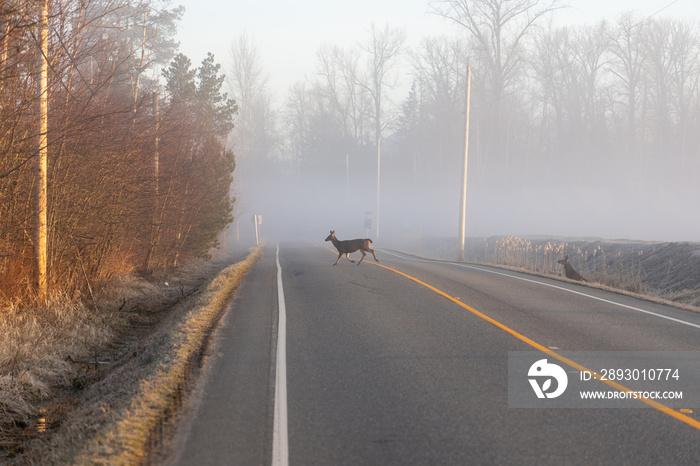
(569, 271)
(351, 245)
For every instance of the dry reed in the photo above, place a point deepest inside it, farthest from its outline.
(595, 264)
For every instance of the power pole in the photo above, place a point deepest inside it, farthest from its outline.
(463, 210)
(257, 220)
(379, 165)
(347, 178)
(40, 186)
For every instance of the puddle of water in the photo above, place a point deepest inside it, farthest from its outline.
(52, 414)
(49, 417)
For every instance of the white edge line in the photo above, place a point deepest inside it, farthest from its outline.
(280, 445)
(690, 324)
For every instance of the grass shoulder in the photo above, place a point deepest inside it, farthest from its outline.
(109, 373)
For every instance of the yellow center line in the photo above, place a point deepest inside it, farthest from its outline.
(654, 404)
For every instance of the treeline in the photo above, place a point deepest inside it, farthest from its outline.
(138, 176)
(602, 106)
(625, 93)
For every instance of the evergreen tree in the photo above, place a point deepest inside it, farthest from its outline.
(179, 77)
(201, 205)
(215, 107)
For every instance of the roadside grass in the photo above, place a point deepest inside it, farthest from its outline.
(127, 440)
(669, 272)
(36, 349)
(596, 265)
(118, 359)
(46, 348)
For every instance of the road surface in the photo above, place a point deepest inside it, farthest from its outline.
(386, 368)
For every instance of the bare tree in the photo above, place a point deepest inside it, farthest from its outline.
(592, 47)
(296, 113)
(439, 66)
(149, 29)
(253, 134)
(685, 83)
(358, 102)
(499, 29)
(330, 83)
(339, 81)
(627, 49)
(383, 48)
(660, 64)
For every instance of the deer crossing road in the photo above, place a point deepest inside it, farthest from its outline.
(406, 362)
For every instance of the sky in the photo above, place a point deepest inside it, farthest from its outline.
(288, 34)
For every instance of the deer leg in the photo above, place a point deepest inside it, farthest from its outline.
(375, 256)
(347, 255)
(340, 254)
(363, 257)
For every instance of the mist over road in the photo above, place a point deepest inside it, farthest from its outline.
(381, 369)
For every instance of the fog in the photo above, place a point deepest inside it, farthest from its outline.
(295, 206)
(588, 130)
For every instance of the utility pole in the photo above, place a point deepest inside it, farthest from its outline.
(379, 165)
(40, 186)
(463, 210)
(257, 220)
(347, 177)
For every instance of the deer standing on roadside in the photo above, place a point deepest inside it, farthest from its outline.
(351, 245)
(569, 271)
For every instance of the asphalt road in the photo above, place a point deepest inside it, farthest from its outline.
(382, 370)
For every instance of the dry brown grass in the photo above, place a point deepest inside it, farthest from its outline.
(120, 409)
(36, 349)
(662, 272)
(595, 264)
(127, 440)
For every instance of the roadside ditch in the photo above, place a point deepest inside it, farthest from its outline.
(119, 404)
